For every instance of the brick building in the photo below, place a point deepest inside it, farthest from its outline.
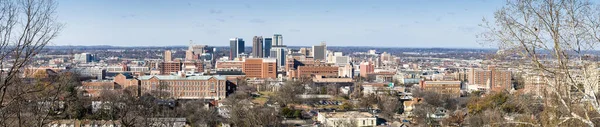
(176, 66)
(187, 87)
(491, 79)
(309, 71)
(230, 64)
(451, 88)
(260, 68)
(366, 68)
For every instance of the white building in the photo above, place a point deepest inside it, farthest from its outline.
(347, 119)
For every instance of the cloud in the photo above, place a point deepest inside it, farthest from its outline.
(257, 21)
(213, 11)
(221, 20)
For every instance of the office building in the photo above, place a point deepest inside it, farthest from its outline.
(167, 56)
(260, 68)
(83, 58)
(268, 43)
(279, 53)
(293, 61)
(236, 47)
(257, 47)
(319, 51)
(341, 60)
(277, 40)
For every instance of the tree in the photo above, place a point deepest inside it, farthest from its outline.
(563, 32)
(389, 106)
(288, 93)
(26, 27)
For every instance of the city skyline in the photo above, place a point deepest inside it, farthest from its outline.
(306, 23)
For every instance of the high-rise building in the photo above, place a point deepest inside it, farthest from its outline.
(260, 68)
(277, 39)
(267, 48)
(167, 56)
(83, 58)
(305, 51)
(189, 55)
(257, 47)
(319, 51)
(341, 60)
(366, 68)
(279, 53)
(236, 47)
(491, 79)
(198, 49)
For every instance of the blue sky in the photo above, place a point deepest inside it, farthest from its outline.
(382, 23)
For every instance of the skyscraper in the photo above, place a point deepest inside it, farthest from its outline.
(236, 47)
(267, 48)
(189, 55)
(319, 51)
(257, 47)
(277, 39)
(167, 56)
(279, 53)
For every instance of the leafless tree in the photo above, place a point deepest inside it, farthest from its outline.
(26, 26)
(556, 36)
(389, 106)
(288, 93)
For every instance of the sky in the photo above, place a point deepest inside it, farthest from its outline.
(377, 23)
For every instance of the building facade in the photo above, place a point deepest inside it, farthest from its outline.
(277, 39)
(319, 52)
(236, 47)
(491, 79)
(309, 71)
(451, 88)
(167, 56)
(268, 43)
(257, 47)
(186, 87)
(260, 68)
(366, 68)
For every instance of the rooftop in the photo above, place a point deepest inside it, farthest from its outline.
(176, 77)
(349, 114)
